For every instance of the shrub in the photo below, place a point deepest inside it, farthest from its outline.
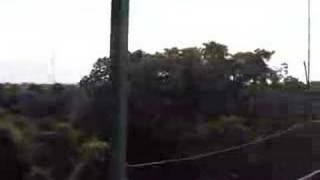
(94, 148)
(14, 131)
(73, 135)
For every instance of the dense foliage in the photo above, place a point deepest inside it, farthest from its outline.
(181, 102)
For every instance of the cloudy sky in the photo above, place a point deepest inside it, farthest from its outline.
(76, 32)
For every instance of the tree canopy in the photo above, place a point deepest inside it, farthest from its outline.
(212, 64)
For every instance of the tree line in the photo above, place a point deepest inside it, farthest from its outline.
(181, 102)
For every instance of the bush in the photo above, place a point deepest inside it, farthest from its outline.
(73, 135)
(94, 148)
(221, 123)
(15, 132)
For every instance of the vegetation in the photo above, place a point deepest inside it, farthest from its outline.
(181, 102)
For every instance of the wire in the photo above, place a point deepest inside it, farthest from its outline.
(205, 155)
(310, 176)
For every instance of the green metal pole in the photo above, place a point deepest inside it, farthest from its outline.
(119, 57)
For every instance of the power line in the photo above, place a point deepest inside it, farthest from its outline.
(310, 176)
(208, 154)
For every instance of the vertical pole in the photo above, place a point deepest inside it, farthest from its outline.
(309, 41)
(119, 57)
(306, 73)
(53, 69)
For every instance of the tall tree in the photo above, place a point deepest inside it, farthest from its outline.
(214, 51)
(172, 53)
(252, 66)
(191, 53)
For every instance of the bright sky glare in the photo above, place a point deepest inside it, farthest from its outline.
(76, 32)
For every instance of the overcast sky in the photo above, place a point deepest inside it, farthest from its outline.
(76, 32)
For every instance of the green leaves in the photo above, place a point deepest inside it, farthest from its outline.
(94, 149)
(242, 68)
(213, 51)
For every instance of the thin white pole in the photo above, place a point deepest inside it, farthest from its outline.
(309, 40)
